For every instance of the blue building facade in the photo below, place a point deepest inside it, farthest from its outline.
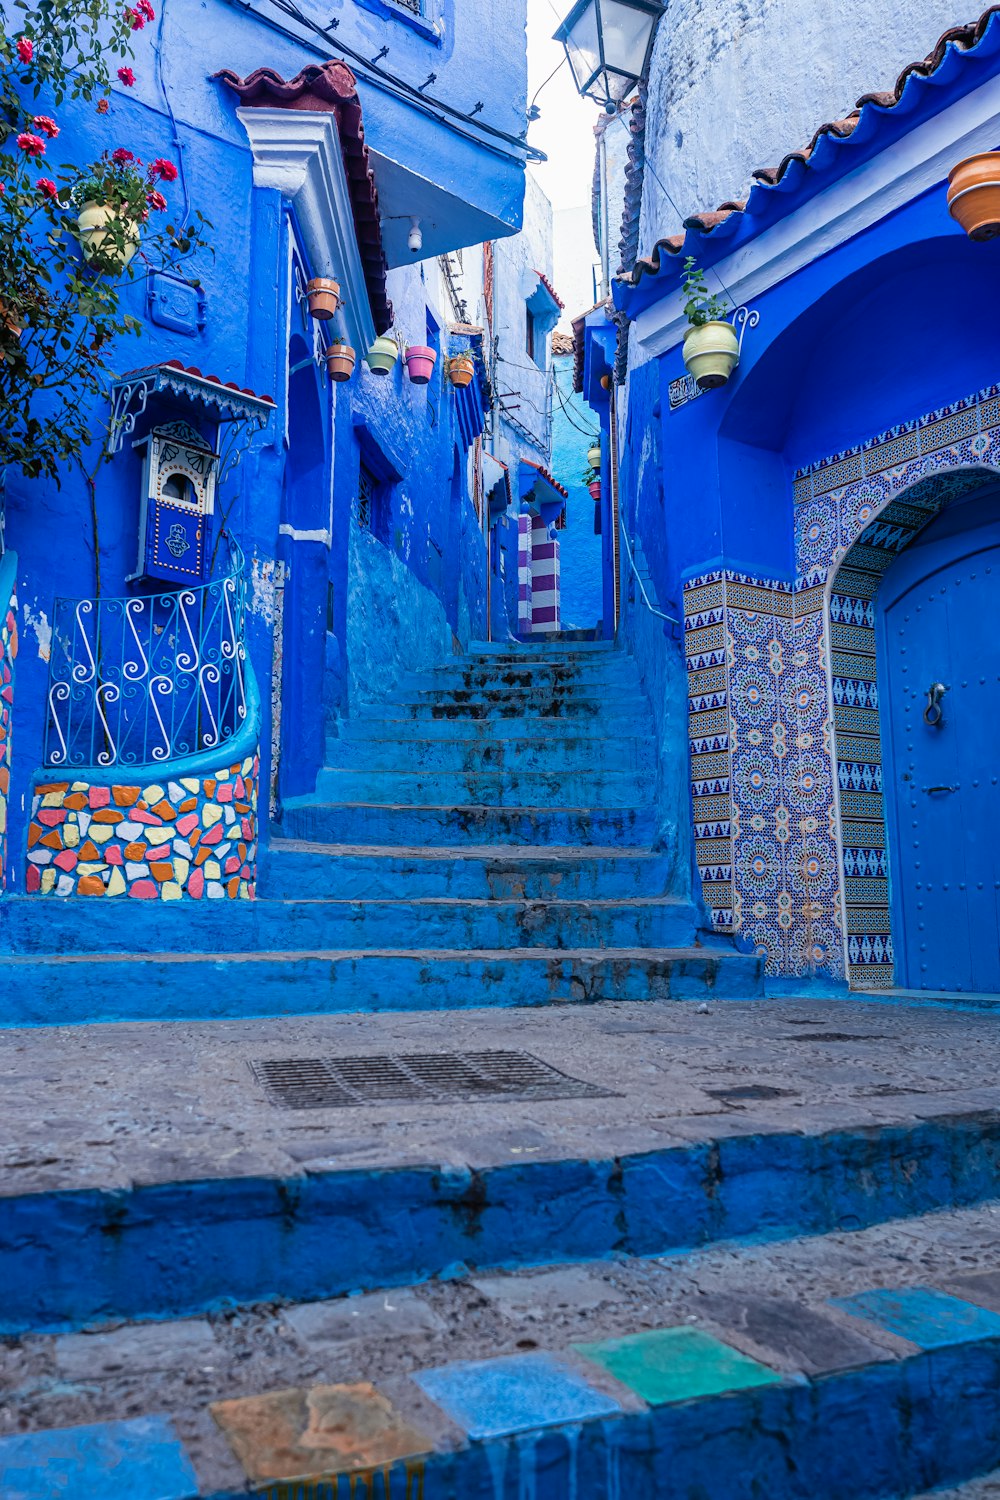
(824, 527)
(266, 549)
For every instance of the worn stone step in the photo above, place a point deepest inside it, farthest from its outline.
(185, 986)
(571, 649)
(835, 1376)
(82, 925)
(392, 723)
(600, 675)
(383, 823)
(487, 788)
(551, 754)
(300, 868)
(522, 704)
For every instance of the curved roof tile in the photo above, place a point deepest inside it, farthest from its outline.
(964, 37)
(331, 88)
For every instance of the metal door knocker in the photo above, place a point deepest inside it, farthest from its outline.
(934, 713)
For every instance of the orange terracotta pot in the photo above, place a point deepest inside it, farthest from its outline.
(461, 368)
(974, 195)
(340, 360)
(324, 296)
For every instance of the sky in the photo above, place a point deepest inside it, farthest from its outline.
(565, 131)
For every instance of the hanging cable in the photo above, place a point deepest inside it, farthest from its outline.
(648, 164)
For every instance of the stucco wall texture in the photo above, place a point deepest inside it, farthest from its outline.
(735, 86)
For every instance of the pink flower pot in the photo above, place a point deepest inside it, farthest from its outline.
(594, 488)
(420, 363)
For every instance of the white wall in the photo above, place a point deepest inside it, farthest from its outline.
(734, 87)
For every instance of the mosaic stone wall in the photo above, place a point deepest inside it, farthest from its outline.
(776, 762)
(195, 836)
(8, 655)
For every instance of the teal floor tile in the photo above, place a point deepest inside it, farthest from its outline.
(138, 1460)
(493, 1397)
(677, 1364)
(928, 1318)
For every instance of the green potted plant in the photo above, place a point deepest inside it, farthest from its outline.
(116, 197)
(711, 348)
(594, 453)
(592, 479)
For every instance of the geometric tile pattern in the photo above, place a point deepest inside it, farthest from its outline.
(139, 1459)
(677, 1364)
(926, 1317)
(778, 766)
(496, 1397)
(8, 653)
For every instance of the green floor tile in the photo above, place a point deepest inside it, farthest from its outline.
(676, 1364)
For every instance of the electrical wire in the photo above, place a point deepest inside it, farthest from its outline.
(372, 73)
(562, 61)
(158, 54)
(673, 205)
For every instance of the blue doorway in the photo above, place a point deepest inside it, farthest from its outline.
(939, 677)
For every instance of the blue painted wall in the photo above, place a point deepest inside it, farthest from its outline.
(356, 607)
(579, 546)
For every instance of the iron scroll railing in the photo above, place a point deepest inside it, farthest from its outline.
(149, 678)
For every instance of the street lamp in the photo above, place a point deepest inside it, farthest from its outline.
(608, 43)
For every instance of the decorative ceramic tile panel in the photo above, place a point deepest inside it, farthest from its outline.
(795, 763)
(191, 836)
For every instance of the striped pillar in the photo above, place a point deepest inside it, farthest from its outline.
(524, 575)
(544, 576)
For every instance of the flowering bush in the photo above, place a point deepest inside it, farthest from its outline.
(61, 312)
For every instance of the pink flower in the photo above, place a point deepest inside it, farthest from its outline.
(103, 106)
(126, 76)
(122, 155)
(134, 19)
(25, 49)
(31, 145)
(3, 188)
(145, 9)
(164, 169)
(156, 200)
(47, 187)
(46, 125)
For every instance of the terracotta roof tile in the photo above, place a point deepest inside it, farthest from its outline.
(964, 37)
(544, 474)
(546, 283)
(331, 88)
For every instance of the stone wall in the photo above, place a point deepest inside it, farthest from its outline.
(195, 837)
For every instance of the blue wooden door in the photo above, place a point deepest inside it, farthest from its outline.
(939, 693)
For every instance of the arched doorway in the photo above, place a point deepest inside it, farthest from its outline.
(940, 692)
(903, 606)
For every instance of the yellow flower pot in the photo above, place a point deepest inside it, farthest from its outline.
(711, 352)
(594, 456)
(974, 195)
(100, 242)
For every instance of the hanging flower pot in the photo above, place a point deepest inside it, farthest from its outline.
(382, 355)
(594, 456)
(974, 195)
(420, 363)
(109, 238)
(324, 296)
(711, 351)
(340, 361)
(461, 368)
(594, 489)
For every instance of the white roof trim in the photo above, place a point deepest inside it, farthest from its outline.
(298, 152)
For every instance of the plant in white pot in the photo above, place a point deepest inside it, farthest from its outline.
(711, 347)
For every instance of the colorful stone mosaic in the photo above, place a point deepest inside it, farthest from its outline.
(784, 727)
(8, 656)
(193, 836)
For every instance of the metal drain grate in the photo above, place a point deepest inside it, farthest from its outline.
(427, 1077)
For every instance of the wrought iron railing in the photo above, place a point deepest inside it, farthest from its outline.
(148, 678)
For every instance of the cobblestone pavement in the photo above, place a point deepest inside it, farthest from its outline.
(114, 1105)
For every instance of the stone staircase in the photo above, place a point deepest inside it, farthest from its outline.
(484, 837)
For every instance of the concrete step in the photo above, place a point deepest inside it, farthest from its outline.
(167, 985)
(618, 710)
(489, 788)
(299, 868)
(601, 673)
(81, 925)
(525, 650)
(384, 823)
(838, 1377)
(393, 723)
(551, 754)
